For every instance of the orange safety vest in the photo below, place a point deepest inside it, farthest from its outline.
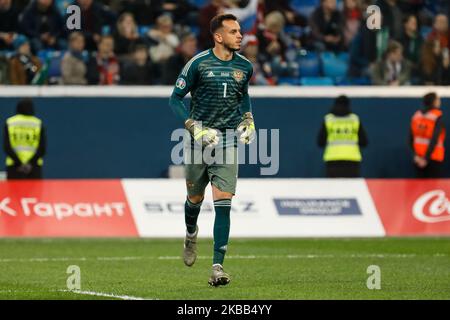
(422, 127)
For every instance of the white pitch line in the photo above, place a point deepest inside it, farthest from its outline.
(105, 295)
(243, 257)
(90, 293)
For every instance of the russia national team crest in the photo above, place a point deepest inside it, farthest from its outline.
(238, 75)
(181, 83)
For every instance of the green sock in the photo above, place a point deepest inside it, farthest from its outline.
(191, 211)
(221, 229)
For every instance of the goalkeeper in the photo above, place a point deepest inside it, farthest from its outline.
(218, 82)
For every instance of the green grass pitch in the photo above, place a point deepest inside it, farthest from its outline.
(411, 268)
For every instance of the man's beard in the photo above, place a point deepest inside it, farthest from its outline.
(230, 48)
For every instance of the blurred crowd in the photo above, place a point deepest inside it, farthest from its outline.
(146, 42)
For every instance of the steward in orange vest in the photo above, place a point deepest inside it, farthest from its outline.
(427, 138)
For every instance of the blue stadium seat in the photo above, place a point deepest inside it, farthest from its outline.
(7, 53)
(425, 31)
(288, 81)
(195, 30)
(54, 68)
(309, 65)
(106, 30)
(344, 56)
(142, 30)
(45, 54)
(305, 7)
(352, 81)
(199, 3)
(295, 31)
(333, 66)
(316, 81)
(62, 5)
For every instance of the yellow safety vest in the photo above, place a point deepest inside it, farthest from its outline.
(24, 136)
(342, 138)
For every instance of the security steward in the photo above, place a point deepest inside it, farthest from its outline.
(342, 135)
(427, 136)
(24, 142)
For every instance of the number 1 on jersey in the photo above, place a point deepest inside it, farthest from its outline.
(224, 89)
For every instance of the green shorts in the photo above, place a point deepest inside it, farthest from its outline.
(220, 166)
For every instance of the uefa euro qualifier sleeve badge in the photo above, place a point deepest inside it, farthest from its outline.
(181, 83)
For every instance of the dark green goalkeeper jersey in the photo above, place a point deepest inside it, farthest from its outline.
(219, 90)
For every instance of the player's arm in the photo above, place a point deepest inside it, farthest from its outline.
(246, 128)
(204, 136)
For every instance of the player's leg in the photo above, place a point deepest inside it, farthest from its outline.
(196, 182)
(223, 180)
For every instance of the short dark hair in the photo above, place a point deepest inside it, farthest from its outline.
(428, 99)
(217, 21)
(25, 106)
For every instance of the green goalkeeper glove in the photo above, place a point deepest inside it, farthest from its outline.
(246, 129)
(204, 136)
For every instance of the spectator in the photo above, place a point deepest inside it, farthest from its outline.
(73, 66)
(126, 34)
(367, 47)
(145, 12)
(181, 11)
(163, 40)
(9, 26)
(275, 47)
(262, 72)
(326, 27)
(4, 70)
(103, 68)
(440, 31)
(435, 64)
(427, 136)
(23, 66)
(24, 142)
(94, 16)
(342, 135)
(246, 12)
(392, 17)
(393, 69)
(290, 15)
(272, 41)
(172, 68)
(352, 16)
(42, 23)
(140, 70)
(204, 17)
(411, 39)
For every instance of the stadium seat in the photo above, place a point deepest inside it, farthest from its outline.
(45, 54)
(195, 30)
(425, 31)
(309, 65)
(142, 30)
(54, 68)
(305, 7)
(352, 81)
(344, 56)
(316, 81)
(294, 31)
(199, 3)
(333, 66)
(288, 81)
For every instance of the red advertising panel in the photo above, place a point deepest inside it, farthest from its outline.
(66, 208)
(412, 207)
